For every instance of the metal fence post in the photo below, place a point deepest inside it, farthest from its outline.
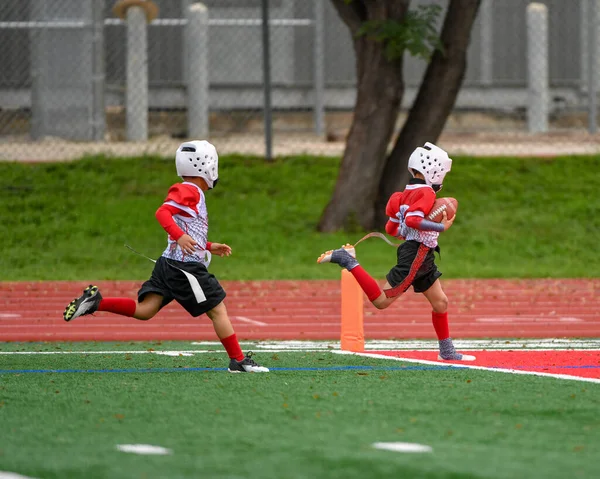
(136, 14)
(98, 75)
(537, 67)
(319, 74)
(196, 41)
(486, 35)
(137, 75)
(592, 69)
(267, 80)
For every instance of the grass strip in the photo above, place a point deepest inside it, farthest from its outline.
(293, 424)
(518, 218)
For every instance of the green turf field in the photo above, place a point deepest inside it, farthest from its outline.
(518, 218)
(315, 415)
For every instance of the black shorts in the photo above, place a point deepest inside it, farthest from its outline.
(172, 284)
(425, 275)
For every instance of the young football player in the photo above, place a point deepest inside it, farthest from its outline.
(181, 272)
(407, 212)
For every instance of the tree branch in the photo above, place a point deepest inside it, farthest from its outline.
(353, 13)
(436, 97)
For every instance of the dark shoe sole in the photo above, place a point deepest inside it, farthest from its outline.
(71, 309)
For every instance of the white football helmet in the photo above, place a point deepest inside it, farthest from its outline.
(432, 162)
(198, 158)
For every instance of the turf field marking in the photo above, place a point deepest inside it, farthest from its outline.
(12, 475)
(244, 319)
(468, 366)
(189, 352)
(402, 446)
(144, 449)
(377, 345)
(412, 345)
(208, 370)
(172, 353)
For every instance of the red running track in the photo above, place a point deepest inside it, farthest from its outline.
(260, 310)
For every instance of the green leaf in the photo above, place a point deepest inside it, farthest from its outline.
(416, 33)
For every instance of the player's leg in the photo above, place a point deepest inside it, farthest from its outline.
(145, 309)
(346, 258)
(92, 301)
(203, 294)
(382, 301)
(238, 363)
(439, 317)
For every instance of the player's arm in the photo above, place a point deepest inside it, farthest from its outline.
(420, 223)
(415, 215)
(220, 249)
(164, 215)
(392, 227)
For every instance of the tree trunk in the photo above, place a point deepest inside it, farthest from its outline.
(434, 102)
(379, 94)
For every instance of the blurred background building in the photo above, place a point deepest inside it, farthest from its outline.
(65, 88)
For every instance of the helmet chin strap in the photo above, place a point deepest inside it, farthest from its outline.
(437, 188)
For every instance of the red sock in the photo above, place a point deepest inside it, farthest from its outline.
(440, 324)
(233, 347)
(122, 306)
(366, 282)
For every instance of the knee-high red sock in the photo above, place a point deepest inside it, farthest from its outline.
(122, 306)
(366, 282)
(231, 345)
(440, 324)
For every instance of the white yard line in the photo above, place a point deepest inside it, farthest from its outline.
(468, 366)
(375, 345)
(163, 352)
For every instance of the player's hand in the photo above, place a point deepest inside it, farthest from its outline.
(446, 222)
(220, 249)
(187, 244)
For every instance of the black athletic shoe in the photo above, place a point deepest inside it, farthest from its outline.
(246, 365)
(87, 303)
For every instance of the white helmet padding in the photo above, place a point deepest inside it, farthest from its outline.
(198, 158)
(432, 162)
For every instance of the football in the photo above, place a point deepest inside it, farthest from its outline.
(448, 204)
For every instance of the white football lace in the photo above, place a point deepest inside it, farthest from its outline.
(436, 212)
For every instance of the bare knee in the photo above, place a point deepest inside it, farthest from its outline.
(219, 312)
(382, 301)
(380, 305)
(440, 304)
(143, 313)
(148, 307)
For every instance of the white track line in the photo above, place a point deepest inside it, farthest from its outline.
(466, 366)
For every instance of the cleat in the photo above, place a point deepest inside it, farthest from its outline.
(457, 357)
(246, 365)
(448, 353)
(87, 303)
(328, 256)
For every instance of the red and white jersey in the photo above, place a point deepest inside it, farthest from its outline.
(416, 200)
(193, 220)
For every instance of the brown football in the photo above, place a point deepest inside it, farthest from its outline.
(450, 205)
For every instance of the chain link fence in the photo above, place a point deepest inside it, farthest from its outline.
(131, 77)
